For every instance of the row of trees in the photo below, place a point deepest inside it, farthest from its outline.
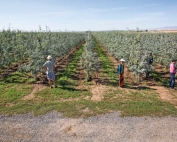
(135, 48)
(89, 58)
(17, 46)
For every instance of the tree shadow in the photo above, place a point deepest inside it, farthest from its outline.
(138, 87)
(74, 76)
(16, 77)
(70, 88)
(64, 83)
(106, 81)
(160, 78)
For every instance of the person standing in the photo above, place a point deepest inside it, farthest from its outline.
(120, 71)
(150, 61)
(172, 74)
(49, 67)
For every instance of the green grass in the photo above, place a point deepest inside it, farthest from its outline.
(73, 102)
(60, 98)
(140, 103)
(12, 89)
(67, 77)
(107, 66)
(129, 105)
(16, 77)
(159, 78)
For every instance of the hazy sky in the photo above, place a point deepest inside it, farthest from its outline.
(82, 15)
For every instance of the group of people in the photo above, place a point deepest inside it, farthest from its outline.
(173, 70)
(49, 67)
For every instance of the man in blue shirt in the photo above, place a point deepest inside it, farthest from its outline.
(120, 71)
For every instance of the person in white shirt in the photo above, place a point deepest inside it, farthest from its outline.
(49, 67)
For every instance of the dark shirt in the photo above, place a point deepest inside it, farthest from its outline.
(150, 59)
(120, 69)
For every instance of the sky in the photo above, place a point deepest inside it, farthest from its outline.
(84, 15)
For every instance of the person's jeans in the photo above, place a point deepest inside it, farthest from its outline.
(172, 80)
(147, 73)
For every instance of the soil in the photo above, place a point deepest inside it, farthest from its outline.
(98, 91)
(165, 95)
(80, 74)
(53, 127)
(10, 69)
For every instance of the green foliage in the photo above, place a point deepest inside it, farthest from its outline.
(89, 58)
(135, 48)
(74, 102)
(66, 98)
(35, 47)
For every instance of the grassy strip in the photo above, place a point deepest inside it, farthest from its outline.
(107, 66)
(12, 89)
(60, 98)
(139, 103)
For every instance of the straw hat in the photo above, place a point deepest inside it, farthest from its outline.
(49, 57)
(122, 60)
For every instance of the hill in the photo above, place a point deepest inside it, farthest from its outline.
(167, 28)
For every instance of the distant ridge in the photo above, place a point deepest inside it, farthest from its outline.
(166, 28)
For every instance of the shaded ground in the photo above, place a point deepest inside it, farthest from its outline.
(99, 91)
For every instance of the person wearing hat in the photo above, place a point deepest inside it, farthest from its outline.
(120, 70)
(49, 66)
